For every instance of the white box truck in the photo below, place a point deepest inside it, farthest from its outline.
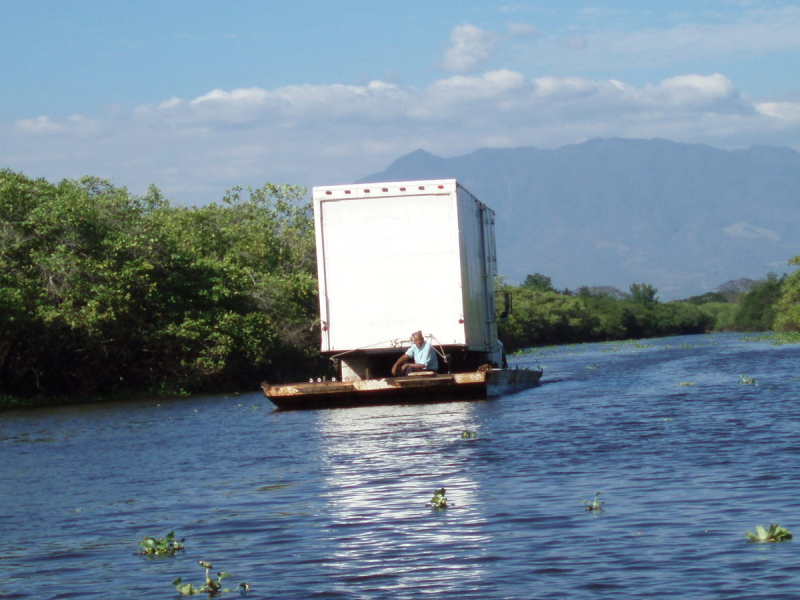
(398, 257)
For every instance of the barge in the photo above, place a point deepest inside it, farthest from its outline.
(401, 257)
(422, 387)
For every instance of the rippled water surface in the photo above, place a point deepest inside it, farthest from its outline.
(332, 504)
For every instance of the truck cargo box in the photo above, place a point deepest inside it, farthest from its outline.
(398, 257)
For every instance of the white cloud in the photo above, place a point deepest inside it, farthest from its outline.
(249, 95)
(72, 125)
(784, 111)
(319, 134)
(709, 92)
(470, 49)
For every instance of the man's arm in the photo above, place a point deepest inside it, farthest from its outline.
(404, 358)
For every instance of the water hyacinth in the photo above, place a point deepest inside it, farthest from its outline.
(210, 587)
(775, 533)
(439, 500)
(165, 546)
(594, 505)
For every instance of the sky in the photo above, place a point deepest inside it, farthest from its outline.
(199, 96)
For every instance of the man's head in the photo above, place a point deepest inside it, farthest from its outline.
(417, 338)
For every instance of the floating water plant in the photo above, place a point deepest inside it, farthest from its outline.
(746, 379)
(788, 337)
(439, 500)
(594, 505)
(685, 383)
(211, 587)
(775, 533)
(167, 545)
(467, 434)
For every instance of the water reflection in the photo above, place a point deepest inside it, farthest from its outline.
(382, 466)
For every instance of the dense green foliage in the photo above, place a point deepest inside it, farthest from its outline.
(753, 309)
(543, 317)
(539, 282)
(787, 309)
(548, 317)
(102, 292)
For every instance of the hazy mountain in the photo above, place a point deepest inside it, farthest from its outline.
(685, 218)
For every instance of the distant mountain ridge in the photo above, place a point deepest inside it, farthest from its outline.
(685, 218)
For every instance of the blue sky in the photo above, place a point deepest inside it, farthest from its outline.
(199, 96)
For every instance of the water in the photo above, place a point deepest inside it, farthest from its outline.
(332, 504)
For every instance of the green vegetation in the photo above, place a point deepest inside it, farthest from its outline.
(545, 316)
(538, 282)
(103, 293)
(755, 309)
(165, 546)
(550, 317)
(439, 500)
(787, 309)
(746, 379)
(594, 505)
(775, 533)
(211, 587)
(467, 434)
(787, 337)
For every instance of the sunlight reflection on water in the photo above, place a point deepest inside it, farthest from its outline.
(382, 464)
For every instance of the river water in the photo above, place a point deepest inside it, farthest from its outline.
(332, 504)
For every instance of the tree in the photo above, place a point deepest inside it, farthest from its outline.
(539, 282)
(755, 308)
(102, 291)
(546, 317)
(643, 293)
(787, 309)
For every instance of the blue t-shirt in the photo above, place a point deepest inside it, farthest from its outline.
(424, 356)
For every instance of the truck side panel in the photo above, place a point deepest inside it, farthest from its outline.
(479, 268)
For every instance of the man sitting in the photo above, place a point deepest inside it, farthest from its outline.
(419, 357)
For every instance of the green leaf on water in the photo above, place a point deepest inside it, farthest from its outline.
(775, 533)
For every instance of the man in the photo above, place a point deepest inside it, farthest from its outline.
(419, 357)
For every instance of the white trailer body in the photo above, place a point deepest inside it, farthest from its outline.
(398, 257)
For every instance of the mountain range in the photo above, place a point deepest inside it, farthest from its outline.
(684, 218)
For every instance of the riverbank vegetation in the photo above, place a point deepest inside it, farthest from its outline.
(545, 316)
(104, 293)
